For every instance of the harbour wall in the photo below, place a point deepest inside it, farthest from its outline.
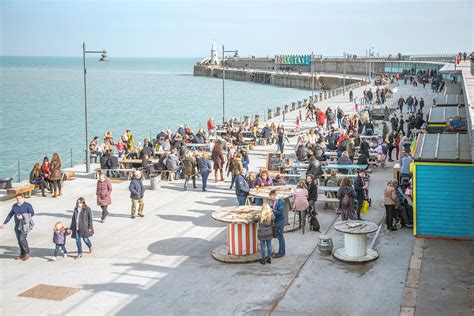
(289, 80)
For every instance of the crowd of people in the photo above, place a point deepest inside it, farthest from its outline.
(348, 139)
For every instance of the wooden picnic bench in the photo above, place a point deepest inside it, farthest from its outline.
(25, 190)
(129, 172)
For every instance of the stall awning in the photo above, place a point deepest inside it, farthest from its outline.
(449, 148)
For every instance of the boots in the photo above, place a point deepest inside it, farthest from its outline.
(222, 176)
(55, 194)
(215, 176)
(194, 183)
(60, 193)
(42, 192)
(186, 184)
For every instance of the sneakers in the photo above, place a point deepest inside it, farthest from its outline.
(132, 217)
(54, 258)
(79, 256)
(26, 257)
(91, 249)
(65, 255)
(269, 260)
(141, 215)
(20, 257)
(276, 255)
(409, 225)
(262, 261)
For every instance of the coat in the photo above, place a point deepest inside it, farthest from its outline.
(265, 231)
(389, 195)
(55, 171)
(84, 223)
(237, 166)
(136, 188)
(189, 166)
(104, 189)
(217, 159)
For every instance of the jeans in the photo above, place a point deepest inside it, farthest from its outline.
(232, 181)
(241, 199)
(259, 202)
(269, 248)
(281, 239)
(407, 214)
(56, 185)
(22, 242)
(137, 205)
(79, 242)
(204, 176)
(339, 122)
(281, 146)
(389, 215)
(360, 200)
(105, 212)
(56, 250)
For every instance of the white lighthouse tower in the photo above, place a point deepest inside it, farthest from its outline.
(214, 57)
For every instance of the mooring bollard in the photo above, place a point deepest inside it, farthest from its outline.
(287, 108)
(293, 106)
(278, 111)
(270, 112)
(300, 104)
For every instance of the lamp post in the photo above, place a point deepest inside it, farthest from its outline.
(236, 54)
(103, 58)
(344, 78)
(312, 76)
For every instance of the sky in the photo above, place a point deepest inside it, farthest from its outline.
(260, 27)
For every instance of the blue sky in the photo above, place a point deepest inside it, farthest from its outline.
(187, 28)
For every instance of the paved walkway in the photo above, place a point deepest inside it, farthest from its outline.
(162, 264)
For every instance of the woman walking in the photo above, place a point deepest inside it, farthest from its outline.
(346, 195)
(265, 234)
(189, 169)
(103, 192)
(81, 226)
(56, 175)
(205, 168)
(218, 160)
(300, 202)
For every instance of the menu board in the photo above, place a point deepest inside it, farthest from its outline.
(274, 162)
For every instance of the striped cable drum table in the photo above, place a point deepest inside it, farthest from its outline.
(242, 246)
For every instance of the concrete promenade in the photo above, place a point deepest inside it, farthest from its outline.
(162, 264)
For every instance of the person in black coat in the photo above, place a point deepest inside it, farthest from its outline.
(312, 191)
(361, 189)
(104, 161)
(362, 160)
(81, 226)
(113, 163)
(137, 192)
(364, 147)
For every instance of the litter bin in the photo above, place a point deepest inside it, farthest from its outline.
(6, 183)
(154, 182)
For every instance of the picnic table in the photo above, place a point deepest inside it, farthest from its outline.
(125, 162)
(241, 234)
(284, 191)
(350, 168)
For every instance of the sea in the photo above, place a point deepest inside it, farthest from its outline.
(42, 103)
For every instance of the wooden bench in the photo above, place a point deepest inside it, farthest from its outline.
(70, 175)
(323, 198)
(167, 175)
(25, 190)
(129, 172)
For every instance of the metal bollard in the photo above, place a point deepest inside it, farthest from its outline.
(19, 177)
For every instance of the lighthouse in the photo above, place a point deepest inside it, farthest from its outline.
(214, 57)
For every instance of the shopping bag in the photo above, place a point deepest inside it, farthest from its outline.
(365, 207)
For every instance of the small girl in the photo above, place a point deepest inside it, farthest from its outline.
(59, 238)
(265, 233)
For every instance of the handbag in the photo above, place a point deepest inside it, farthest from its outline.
(365, 207)
(274, 230)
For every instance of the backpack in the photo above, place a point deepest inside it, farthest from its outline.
(346, 201)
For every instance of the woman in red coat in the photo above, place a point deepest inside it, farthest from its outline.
(104, 199)
(321, 118)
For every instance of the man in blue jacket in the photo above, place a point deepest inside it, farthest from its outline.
(278, 206)
(18, 210)
(241, 188)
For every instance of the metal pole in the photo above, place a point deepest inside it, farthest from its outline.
(344, 78)
(88, 166)
(71, 157)
(19, 178)
(312, 76)
(223, 86)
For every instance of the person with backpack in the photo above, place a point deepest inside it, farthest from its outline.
(241, 187)
(346, 195)
(265, 234)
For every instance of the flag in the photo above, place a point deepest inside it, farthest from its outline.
(413, 147)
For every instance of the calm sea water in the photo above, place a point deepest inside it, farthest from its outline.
(42, 103)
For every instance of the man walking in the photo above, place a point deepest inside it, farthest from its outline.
(23, 213)
(137, 191)
(241, 187)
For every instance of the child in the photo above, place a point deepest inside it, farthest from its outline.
(265, 233)
(59, 239)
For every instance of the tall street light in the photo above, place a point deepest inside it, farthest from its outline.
(312, 76)
(103, 58)
(236, 54)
